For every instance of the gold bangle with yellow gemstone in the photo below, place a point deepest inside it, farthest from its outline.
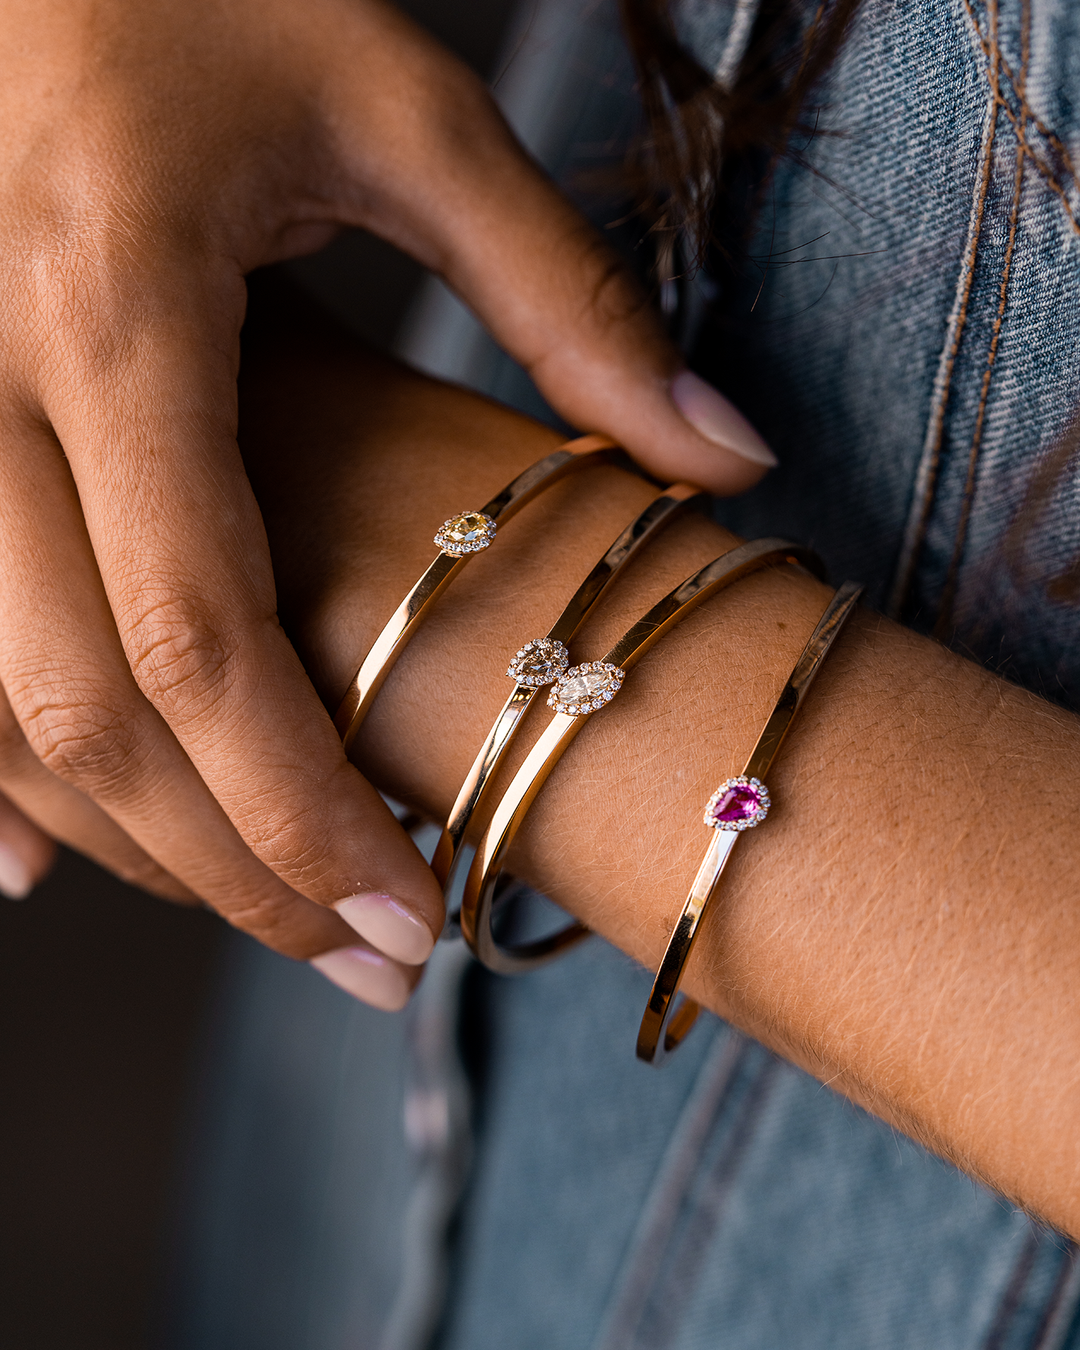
(536, 664)
(459, 539)
(576, 695)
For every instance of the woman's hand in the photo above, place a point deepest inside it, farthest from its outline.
(154, 153)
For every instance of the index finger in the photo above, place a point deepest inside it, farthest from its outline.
(456, 189)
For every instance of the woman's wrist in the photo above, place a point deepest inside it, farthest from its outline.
(872, 932)
(440, 451)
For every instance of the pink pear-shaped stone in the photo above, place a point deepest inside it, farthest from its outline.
(739, 802)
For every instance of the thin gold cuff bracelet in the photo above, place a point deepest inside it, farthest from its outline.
(576, 695)
(540, 662)
(738, 804)
(459, 539)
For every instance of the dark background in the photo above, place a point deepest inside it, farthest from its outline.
(105, 992)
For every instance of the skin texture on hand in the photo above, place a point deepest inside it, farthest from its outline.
(154, 153)
(889, 928)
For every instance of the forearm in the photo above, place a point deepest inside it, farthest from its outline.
(903, 927)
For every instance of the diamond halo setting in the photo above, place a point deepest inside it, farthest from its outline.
(739, 804)
(467, 533)
(583, 689)
(539, 662)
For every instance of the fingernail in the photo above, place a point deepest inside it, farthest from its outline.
(719, 421)
(367, 975)
(16, 881)
(389, 925)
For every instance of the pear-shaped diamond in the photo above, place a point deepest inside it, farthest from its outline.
(539, 662)
(467, 533)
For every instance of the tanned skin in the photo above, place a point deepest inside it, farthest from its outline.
(891, 929)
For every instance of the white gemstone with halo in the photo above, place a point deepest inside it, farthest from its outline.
(539, 662)
(467, 533)
(585, 688)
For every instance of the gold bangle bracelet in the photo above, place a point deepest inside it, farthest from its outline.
(459, 539)
(738, 804)
(538, 663)
(579, 693)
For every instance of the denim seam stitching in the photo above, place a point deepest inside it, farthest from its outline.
(1045, 172)
(1030, 115)
(992, 51)
(952, 576)
(930, 460)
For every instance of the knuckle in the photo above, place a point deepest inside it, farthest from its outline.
(180, 656)
(294, 846)
(87, 273)
(87, 744)
(93, 286)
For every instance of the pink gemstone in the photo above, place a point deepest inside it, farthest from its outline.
(738, 803)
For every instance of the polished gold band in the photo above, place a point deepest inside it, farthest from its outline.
(598, 682)
(665, 1023)
(453, 853)
(584, 453)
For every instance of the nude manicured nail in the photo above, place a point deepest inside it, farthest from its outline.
(717, 420)
(16, 881)
(389, 925)
(367, 975)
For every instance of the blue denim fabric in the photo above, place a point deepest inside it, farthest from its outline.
(726, 1201)
(907, 335)
(908, 339)
(299, 1133)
